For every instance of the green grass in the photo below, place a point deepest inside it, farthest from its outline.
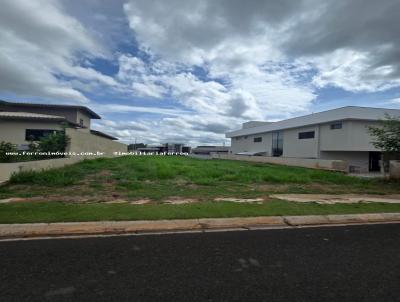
(68, 212)
(159, 177)
(193, 170)
(63, 194)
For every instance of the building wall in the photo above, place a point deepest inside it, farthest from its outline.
(354, 136)
(7, 169)
(82, 141)
(14, 131)
(292, 145)
(303, 148)
(357, 159)
(324, 164)
(86, 119)
(247, 144)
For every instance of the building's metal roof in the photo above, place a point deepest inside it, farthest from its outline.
(29, 116)
(91, 113)
(102, 134)
(343, 113)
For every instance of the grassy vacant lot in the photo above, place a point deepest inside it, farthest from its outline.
(75, 192)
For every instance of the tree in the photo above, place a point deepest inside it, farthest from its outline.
(56, 142)
(387, 139)
(387, 135)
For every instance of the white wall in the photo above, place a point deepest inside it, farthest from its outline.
(295, 147)
(7, 169)
(82, 141)
(354, 136)
(292, 145)
(323, 164)
(84, 117)
(14, 131)
(247, 144)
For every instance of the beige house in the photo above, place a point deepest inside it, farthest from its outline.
(338, 134)
(21, 123)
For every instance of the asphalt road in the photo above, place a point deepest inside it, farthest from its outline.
(357, 263)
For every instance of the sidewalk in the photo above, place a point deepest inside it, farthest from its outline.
(203, 224)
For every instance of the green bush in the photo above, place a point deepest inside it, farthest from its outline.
(56, 142)
(4, 149)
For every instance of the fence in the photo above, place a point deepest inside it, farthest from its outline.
(80, 142)
(7, 169)
(324, 164)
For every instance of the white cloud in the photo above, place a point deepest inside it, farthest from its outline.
(117, 108)
(216, 63)
(192, 129)
(40, 46)
(261, 59)
(236, 52)
(351, 44)
(352, 71)
(239, 58)
(393, 101)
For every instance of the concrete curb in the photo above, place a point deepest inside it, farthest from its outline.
(202, 224)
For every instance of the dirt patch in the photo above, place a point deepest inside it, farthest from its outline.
(141, 201)
(11, 200)
(312, 187)
(117, 201)
(75, 199)
(341, 198)
(240, 200)
(180, 200)
(270, 187)
(124, 201)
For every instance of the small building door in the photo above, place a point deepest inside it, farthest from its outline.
(374, 158)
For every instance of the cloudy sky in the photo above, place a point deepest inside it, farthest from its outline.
(190, 70)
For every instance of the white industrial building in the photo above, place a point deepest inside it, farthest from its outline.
(340, 134)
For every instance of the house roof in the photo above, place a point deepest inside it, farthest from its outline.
(102, 134)
(338, 114)
(30, 116)
(91, 113)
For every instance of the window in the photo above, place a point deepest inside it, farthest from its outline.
(37, 134)
(81, 122)
(277, 144)
(306, 135)
(336, 126)
(245, 137)
(258, 139)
